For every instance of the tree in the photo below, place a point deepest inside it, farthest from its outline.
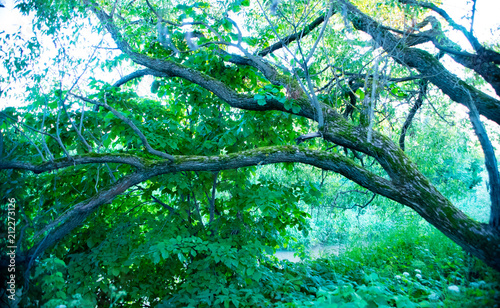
(236, 84)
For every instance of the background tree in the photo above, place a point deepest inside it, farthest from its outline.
(134, 184)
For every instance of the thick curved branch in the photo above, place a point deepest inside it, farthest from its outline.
(337, 125)
(261, 156)
(77, 215)
(491, 164)
(172, 69)
(484, 62)
(470, 37)
(426, 64)
(94, 158)
(246, 102)
(385, 151)
(280, 154)
(406, 185)
(420, 196)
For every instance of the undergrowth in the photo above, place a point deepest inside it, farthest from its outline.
(414, 267)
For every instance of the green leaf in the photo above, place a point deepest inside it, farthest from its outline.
(259, 97)
(154, 86)
(360, 93)
(250, 271)
(156, 258)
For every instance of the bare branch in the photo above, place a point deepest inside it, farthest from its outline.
(320, 35)
(73, 218)
(428, 66)
(310, 94)
(413, 111)
(470, 37)
(139, 74)
(491, 164)
(354, 205)
(73, 161)
(131, 125)
(14, 123)
(293, 37)
(473, 15)
(305, 137)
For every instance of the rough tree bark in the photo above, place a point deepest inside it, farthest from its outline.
(404, 183)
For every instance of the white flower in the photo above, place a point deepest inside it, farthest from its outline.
(418, 271)
(398, 277)
(406, 274)
(454, 289)
(418, 276)
(433, 297)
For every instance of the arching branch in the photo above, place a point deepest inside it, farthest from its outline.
(426, 64)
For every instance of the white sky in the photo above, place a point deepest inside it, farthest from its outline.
(487, 15)
(486, 20)
(10, 19)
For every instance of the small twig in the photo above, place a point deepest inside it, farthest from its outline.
(171, 209)
(58, 137)
(305, 137)
(24, 135)
(413, 111)
(473, 15)
(355, 205)
(320, 36)
(437, 112)
(293, 37)
(131, 125)
(113, 9)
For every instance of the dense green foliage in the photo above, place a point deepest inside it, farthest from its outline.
(410, 265)
(131, 227)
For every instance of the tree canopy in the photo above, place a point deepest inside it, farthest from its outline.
(132, 182)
